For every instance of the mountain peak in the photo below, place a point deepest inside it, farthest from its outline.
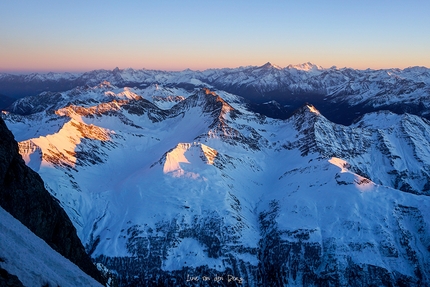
(312, 109)
(181, 160)
(305, 117)
(305, 67)
(269, 65)
(105, 84)
(307, 109)
(206, 91)
(212, 104)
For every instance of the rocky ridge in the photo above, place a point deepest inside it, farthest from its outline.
(23, 195)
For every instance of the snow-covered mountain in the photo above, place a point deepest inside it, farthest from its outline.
(342, 94)
(181, 185)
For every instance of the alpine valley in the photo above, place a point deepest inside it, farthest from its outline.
(253, 176)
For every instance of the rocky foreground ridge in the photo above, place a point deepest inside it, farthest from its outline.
(23, 195)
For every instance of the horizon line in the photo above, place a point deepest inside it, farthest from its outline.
(72, 71)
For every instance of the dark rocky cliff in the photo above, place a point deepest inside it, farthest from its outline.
(23, 195)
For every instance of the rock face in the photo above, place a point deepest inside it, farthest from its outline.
(7, 279)
(23, 195)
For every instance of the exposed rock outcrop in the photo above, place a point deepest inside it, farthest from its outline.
(23, 195)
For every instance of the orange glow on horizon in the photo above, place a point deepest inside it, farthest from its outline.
(83, 63)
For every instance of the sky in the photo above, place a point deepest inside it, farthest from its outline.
(79, 36)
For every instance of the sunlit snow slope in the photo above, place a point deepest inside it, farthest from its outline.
(162, 193)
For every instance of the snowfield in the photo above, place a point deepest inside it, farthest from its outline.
(33, 261)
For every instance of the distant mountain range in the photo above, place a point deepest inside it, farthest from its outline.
(255, 176)
(268, 89)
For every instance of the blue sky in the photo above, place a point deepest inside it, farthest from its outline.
(175, 35)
